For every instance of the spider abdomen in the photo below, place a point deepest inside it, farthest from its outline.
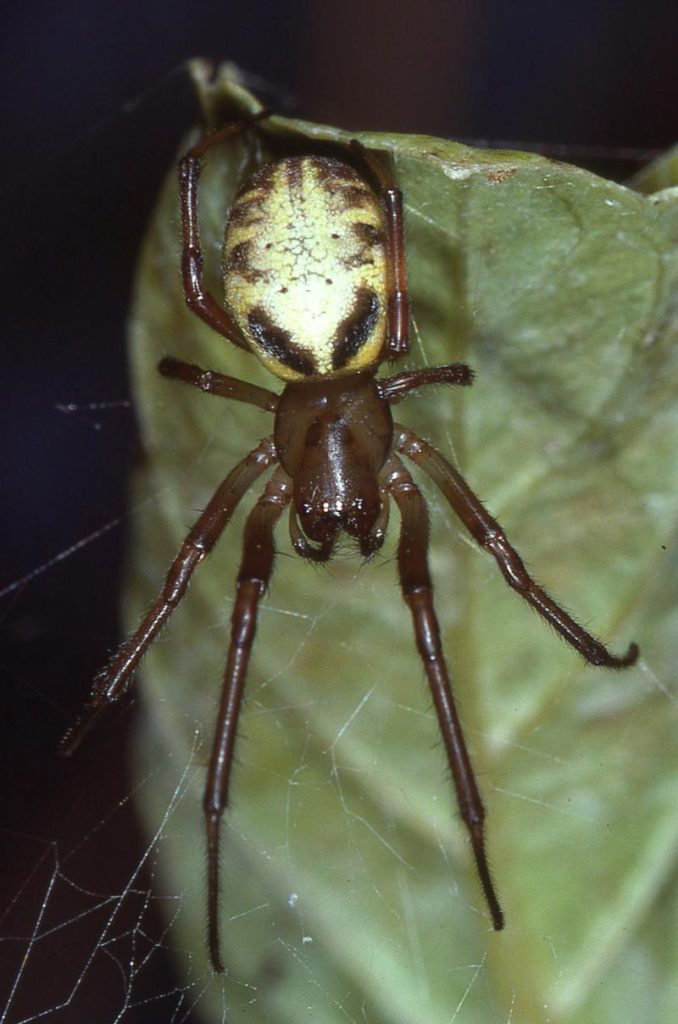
(305, 268)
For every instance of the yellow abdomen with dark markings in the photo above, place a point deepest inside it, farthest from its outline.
(305, 268)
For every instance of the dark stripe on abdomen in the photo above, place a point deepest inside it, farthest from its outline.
(356, 328)
(277, 343)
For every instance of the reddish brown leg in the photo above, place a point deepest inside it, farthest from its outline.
(197, 297)
(213, 383)
(253, 578)
(114, 681)
(418, 593)
(397, 343)
(392, 389)
(490, 535)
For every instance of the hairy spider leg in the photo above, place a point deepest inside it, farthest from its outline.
(393, 389)
(114, 681)
(397, 343)
(213, 383)
(253, 579)
(417, 589)
(198, 299)
(490, 536)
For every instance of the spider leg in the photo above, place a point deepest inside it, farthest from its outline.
(253, 579)
(490, 535)
(398, 343)
(198, 298)
(213, 383)
(417, 591)
(392, 389)
(113, 682)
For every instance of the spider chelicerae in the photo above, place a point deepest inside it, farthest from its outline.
(315, 285)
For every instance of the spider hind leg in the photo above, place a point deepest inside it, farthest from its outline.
(417, 591)
(253, 579)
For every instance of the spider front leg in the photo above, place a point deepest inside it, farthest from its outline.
(115, 679)
(490, 535)
(398, 342)
(198, 299)
(417, 591)
(253, 579)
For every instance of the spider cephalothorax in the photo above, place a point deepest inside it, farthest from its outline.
(333, 438)
(315, 283)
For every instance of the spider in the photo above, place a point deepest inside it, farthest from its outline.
(315, 285)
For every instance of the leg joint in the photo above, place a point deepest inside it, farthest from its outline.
(510, 562)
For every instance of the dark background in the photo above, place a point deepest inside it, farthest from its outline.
(94, 104)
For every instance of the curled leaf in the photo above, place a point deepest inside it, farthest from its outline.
(347, 879)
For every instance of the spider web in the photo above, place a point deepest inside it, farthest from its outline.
(89, 951)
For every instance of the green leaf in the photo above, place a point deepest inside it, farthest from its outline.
(348, 891)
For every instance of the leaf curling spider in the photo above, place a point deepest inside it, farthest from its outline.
(315, 285)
